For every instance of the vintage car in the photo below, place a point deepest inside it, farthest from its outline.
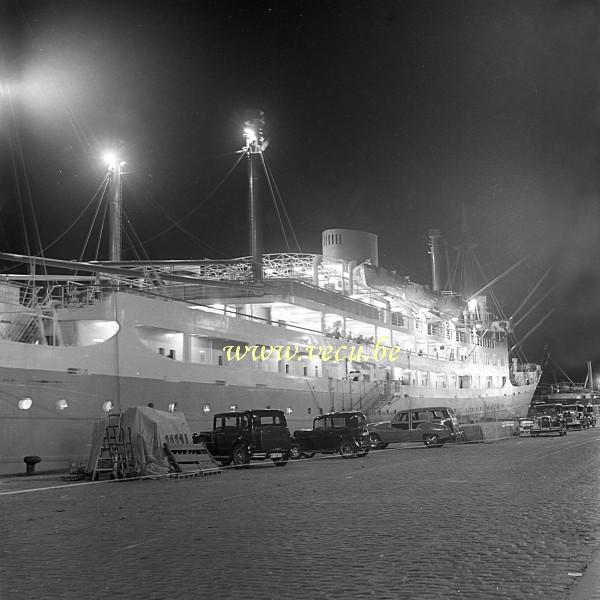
(590, 412)
(434, 426)
(548, 418)
(545, 424)
(344, 432)
(574, 416)
(525, 426)
(242, 436)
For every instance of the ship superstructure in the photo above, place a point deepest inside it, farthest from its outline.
(304, 333)
(319, 333)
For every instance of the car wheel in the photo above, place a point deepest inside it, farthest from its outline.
(346, 449)
(431, 440)
(295, 451)
(240, 456)
(280, 462)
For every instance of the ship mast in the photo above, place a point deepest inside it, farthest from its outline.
(254, 145)
(115, 212)
(434, 251)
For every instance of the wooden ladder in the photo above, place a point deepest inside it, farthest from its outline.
(115, 454)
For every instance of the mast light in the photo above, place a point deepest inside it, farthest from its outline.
(253, 131)
(250, 135)
(112, 161)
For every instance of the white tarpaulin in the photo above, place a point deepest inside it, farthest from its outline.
(147, 429)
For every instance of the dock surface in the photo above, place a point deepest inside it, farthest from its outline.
(518, 518)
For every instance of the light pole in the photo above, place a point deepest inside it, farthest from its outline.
(115, 213)
(254, 145)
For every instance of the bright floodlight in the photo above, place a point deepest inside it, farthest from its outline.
(472, 304)
(110, 159)
(250, 135)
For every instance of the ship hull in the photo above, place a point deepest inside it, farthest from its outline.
(63, 437)
(51, 396)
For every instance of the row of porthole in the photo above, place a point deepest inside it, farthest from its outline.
(27, 403)
(206, 408)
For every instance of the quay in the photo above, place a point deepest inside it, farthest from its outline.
(519, 518)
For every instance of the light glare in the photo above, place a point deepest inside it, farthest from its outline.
(110, 159)
(250, 135)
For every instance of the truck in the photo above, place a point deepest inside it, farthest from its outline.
(344, 432)
(241, 436)
(549, 419)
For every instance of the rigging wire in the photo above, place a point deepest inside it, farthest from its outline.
(533, 329)
(271, 178)
(19, 195)
(555, 364)
(131, 241)
(535, 287)
(136, 240)
(15, 141)
(535, 305)
(102, 221)
(268, 178)
(103, 187)
(177, 224)
(86, 143)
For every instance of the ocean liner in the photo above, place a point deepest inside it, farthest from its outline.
(305, 333)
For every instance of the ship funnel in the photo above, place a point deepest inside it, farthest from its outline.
(434, 250)
(351, 245)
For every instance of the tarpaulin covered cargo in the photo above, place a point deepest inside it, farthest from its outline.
(147, 429)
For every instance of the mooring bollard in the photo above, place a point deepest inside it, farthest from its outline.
(31, 461)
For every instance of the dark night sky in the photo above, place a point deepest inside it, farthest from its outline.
(385, 116)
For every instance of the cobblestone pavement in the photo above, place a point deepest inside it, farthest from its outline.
(514, 519)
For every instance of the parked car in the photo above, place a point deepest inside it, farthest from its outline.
(591, 415)
(525, 426)
(434, 426)
(548, 424)
(344, 432)
(242, 436)
(574, 416)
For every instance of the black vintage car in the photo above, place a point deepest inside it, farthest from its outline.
(344, 432)
(242, 436)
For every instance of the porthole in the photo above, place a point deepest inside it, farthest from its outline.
(25, 404)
